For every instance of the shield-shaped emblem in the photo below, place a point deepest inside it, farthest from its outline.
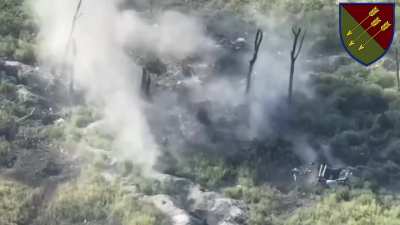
(366, 30)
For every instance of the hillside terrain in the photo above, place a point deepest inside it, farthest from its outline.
(139, 115)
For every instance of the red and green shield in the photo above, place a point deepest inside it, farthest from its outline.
(367, 30)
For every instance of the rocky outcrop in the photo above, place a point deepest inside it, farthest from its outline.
(169, 208)
(187, 204)
(215, 209)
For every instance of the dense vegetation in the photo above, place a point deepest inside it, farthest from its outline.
(354, 110)
(17, 31)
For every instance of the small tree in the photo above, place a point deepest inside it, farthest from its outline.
(257, 44)
(71, 45)
(145, 84)
(298, 41)
(397, 67)
(397, 59)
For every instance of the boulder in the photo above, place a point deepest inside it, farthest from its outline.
(199, 206)
(216, 209)
(176, 215)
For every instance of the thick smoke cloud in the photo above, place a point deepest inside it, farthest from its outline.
(106, 38)
(102, 67)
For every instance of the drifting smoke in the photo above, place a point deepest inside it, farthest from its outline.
(105, 38)
(101, 64)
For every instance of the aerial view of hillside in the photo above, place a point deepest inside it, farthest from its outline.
(199, 112)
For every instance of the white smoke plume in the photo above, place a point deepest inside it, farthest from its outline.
(101, 64)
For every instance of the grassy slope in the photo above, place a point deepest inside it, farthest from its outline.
(16, 31)
(362, 107)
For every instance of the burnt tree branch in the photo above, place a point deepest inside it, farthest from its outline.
(257, 43)
(71, 44)
(397, 67)
(145, 84)
(298, 40)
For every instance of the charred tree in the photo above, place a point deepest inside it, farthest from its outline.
(71, 44)
(145, 84)
(257, 44)
(298, 41)
(397, 67)
(151, 5)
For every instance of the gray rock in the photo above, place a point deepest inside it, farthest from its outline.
(199, 207)
(167, 206)
(216, 209)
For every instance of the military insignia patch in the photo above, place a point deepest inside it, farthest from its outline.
(366, 30)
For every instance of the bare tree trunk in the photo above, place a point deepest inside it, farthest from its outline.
(70, 43)
(257, 44)
(292, 64)
(145, 84)
(151, 3)
(397, 68)
(294, 54)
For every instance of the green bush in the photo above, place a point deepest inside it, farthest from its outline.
(391, 95)
(8, 45)
(54, 132)
(94, 200)
(129, 211)
(5, 150)
(7, 124)
(83, 117)
(345, 209)
(382, 78)
(16, 203)
(25, 52)
(266, 204)
(211, 173)
(76, 203)
(17, 31)
(7, 89)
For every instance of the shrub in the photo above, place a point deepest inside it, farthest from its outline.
(83, 117)
(130, 212)
(79, 202)
(361, 97)
(5, 150)
(16, 203)
(348, 209)
(211, 173)
(382, 78)
(54, 132)
(7, 89)
(95, 201)
(7, 125)
(391, 95)
(25, 52)
(16, 31)
(7, 46)
(265, 203)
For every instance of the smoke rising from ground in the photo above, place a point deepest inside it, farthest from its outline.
(107, 36)
(102, 67)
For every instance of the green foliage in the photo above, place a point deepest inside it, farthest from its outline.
(25, 52)
(76, 203)
(7, 89)
(17, 31)
(55, 132)
(210, 173)
(16, 203)
(5, 150)
(344, 208)
(391, 96)
(266, 205)
(382, 78)
(130, 212)
(7, 123)
(83, 117)
(94, 200)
